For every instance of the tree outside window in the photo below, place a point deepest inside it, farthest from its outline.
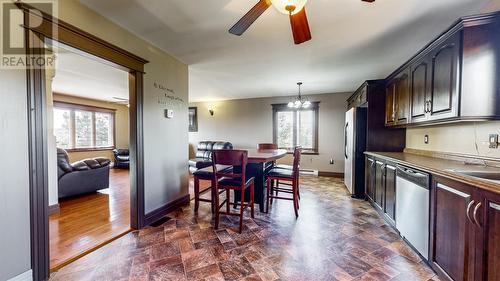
(293, 127)
(83, 127)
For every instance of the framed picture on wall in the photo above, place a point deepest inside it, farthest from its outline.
(193, 119)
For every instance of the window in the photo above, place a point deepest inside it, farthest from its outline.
(294, 127)
(81, 127)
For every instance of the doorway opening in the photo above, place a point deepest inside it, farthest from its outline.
(86, 44)
(88, 153)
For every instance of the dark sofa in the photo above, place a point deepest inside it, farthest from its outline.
(81, 177)
(122, 158)
(204, 154)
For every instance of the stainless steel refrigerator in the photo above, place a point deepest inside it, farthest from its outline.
(354, 147)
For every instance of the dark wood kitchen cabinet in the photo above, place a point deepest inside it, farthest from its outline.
(420, 90)
(380, 182)
(390, 103)
(370, 178)
(452, 232)
(390, 192)
(443, 98)
(402, 103)
(486, 215)
(456, 77)
(397, 100)
(465, 232)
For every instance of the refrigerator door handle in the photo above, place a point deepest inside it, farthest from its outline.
(345, 140)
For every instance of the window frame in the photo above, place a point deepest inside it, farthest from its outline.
(282, 107)
(93, 109)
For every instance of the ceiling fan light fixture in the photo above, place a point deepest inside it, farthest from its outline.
(288, 7)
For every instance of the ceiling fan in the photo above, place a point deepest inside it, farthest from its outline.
(295, 9)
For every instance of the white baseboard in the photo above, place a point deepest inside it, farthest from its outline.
(27, 276)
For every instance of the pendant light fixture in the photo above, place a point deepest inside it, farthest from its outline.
(299, 102)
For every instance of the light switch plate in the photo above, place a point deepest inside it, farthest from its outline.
(494, 141)
(169, 113)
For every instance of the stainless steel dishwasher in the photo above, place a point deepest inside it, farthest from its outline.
(412, 208)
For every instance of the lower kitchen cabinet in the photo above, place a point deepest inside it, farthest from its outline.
(486, 215)
(380, 186)
(464, 225)
(390, 192)
(370, 178)
(451, 231)
(465, 232)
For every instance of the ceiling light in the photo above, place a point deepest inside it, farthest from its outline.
(299, 102)
(289, 6)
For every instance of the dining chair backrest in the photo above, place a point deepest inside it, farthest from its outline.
(230, 157)
(268, 146)
(297, 152)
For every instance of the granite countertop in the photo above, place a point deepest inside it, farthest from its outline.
(443, 167)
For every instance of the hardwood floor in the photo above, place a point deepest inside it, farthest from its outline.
(88, 221)
(335, 237)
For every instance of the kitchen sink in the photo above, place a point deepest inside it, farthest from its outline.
(487, 175)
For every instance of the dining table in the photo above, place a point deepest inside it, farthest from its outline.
(259, 162)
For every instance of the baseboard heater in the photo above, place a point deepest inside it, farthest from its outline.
(309, 172)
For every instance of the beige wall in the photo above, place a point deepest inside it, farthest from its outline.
(14, 172)
(121, 123)
(247, 122)
(165, 150)
(165, 155)
(455, 138)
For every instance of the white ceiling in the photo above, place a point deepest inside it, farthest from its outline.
(352, 41)
(81, 76)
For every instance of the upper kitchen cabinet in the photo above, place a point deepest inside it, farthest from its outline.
(398, 99)
(454, 78)
(443, 96)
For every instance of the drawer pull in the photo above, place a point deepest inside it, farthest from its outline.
(468, 210)
(475, 214)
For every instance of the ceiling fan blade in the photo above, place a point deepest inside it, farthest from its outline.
(300, 27)
(246, 21)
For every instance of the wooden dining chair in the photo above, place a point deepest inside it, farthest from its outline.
(283, 175)
(229, 180)
(206, 174)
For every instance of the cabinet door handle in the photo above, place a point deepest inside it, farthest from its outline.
(475, 214)
(468, 210)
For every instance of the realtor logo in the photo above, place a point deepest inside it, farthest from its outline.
(18, 24)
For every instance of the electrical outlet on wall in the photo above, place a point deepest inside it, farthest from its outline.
(493, 141)
(332, 161)
(426, 139)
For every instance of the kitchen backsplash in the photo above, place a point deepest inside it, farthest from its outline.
(464, 138)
